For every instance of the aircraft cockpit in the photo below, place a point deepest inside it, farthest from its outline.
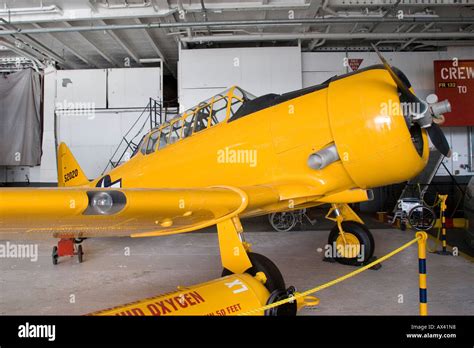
(215, 110)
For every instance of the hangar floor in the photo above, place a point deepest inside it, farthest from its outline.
(108, 277)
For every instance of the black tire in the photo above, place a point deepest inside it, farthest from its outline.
(263, 264)
(79, 253)
(365, 238)
(55, 255)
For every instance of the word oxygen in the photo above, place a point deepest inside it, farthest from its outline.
(240, 156)
(20, 251)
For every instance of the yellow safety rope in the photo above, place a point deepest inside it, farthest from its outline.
(333, 282)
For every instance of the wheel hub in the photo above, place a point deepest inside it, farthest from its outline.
(348, 245)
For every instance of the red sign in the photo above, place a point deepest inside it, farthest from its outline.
(454, 80)
(355, 63)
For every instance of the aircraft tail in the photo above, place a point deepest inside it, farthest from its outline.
(69, 171)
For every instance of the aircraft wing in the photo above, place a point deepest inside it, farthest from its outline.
(81, 212)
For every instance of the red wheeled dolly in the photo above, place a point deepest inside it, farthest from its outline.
(68, 247)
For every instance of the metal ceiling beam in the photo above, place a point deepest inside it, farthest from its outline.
(245, 23)
(122, 44)
(23, 50)
(47, 51)
(154, 45)
(92, 4)
(406, 44)
(37, 47)
(22, 53)
(160, 5)
(312, 11)
(386, 14)
(172, 19)
(404, 3)
(328, 36)
(66, 47)
(95, 11)
(94, 46)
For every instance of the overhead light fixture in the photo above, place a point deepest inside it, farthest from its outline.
(150, 60)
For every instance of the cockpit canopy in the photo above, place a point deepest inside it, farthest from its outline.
(218, 109)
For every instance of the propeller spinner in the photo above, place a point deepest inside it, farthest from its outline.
(427, 114)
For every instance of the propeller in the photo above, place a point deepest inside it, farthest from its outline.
(438, 139)
(427, 114)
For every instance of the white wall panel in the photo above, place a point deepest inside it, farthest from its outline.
(257, 70)
(209, 68)
(192, 97)
(133, 87)
(320, 66)
(94, 140)
(82, 86)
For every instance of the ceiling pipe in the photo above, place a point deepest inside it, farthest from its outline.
(327, 36)
(30, 10)
(318, 43)
(409, 42)
(125, 5)
(248, 23)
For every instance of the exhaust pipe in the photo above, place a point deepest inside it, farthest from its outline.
(323, 158)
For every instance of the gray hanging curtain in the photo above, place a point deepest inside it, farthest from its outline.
(20, 119)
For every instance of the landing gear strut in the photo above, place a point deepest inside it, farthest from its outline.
(237, 257)
(68, 247)
(263, 264)
(350, 240)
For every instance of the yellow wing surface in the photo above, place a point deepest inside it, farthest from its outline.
(96, 212)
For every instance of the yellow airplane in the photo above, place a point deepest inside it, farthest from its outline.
(235, 156)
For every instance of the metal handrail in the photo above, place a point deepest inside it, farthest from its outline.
(155, 117)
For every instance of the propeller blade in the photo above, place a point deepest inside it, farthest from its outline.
(412, 98)
(438, 139)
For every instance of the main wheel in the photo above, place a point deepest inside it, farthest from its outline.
(263, 264)
(356, 247)
(421, 218)
(282, 222)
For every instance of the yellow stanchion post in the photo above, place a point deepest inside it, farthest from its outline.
(333, 282)
(443, 207)
(422, 271)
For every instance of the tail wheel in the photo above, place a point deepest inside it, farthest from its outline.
(356, 247)
(263, 264)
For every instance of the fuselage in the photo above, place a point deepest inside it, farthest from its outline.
(271, 146)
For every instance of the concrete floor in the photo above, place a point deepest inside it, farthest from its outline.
(156, 265)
